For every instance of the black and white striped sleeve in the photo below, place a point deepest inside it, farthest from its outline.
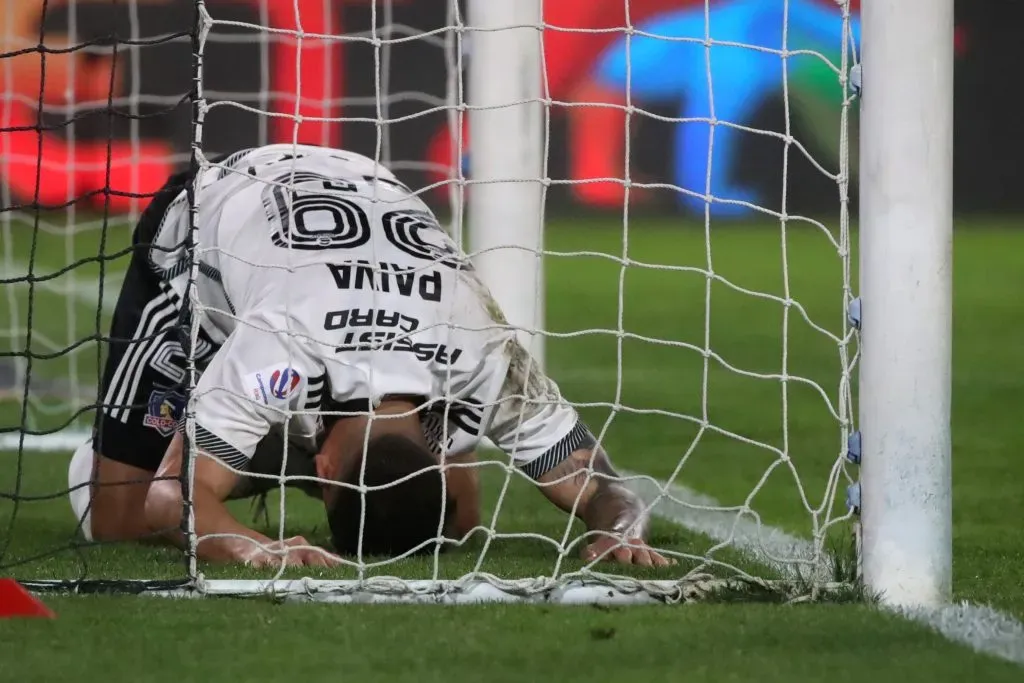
(211, 444)
(562, 449)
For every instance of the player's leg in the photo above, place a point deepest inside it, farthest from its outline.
(110, 507)
(141, 402)
(140, 396)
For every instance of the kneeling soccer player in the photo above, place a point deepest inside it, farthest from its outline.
(143, 393)
(327, 283)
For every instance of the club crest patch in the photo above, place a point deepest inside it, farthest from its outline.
(163, 410)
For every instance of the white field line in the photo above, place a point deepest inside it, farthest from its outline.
(701, 513)
(979, 627)
(85, 290)
(63, 442)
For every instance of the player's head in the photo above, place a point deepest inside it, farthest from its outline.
(399, 516)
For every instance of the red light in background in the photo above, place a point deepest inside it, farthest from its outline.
(959, 41)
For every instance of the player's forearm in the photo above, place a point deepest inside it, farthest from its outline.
(587, 482)
(231, 541)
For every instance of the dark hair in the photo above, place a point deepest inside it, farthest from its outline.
(400, 517)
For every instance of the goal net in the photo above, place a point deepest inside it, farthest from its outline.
(657, 192)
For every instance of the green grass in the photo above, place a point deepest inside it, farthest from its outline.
(256, 641)
(715, 642)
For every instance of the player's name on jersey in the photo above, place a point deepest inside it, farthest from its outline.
(387, 277)
(390, 332)
(379, 318)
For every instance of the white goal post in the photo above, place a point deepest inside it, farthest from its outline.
(906, 138)
(906, 218)
(506, 202)
(896, 320)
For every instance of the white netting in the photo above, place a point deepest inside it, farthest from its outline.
(382, 108)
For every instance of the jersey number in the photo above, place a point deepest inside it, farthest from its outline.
(417, 234)
(314, 220)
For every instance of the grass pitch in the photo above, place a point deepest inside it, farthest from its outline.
(664, 317)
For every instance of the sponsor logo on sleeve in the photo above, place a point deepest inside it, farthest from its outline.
(274, 384)
(284, 382)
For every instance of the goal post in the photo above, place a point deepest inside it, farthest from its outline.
(906, 291)
(506, 158)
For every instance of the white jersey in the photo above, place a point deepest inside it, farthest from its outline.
(342, 291)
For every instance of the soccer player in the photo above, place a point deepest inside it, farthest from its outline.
(143, 395)
(331, 286)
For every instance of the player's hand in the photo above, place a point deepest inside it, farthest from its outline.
(300, 553)
(633, 551)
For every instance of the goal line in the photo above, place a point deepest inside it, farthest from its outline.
(590, 590)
